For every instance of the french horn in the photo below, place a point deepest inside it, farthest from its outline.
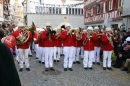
(24, 35)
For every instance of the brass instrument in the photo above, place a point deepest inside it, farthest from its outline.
(88, 37)
(24, 35)
(79, 34)
(58, 33)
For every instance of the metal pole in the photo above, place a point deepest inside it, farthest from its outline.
(26, 12)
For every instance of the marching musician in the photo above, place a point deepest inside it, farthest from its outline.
(35, 38)
(24, 48)
(57, 45)
(41, 52)
(77, 46)
(68, 39)
(47, 37)
(97, 46)
(88, 42)
(107, 40)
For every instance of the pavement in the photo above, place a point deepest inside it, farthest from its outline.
(78, 77)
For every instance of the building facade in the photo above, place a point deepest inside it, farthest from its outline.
(45, 11)
(126, 13)
(97, 11)
(4, 10)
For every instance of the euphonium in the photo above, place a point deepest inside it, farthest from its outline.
(24, 36)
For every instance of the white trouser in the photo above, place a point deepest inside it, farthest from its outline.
(23, 53)
(88, 57)
(41, 54)
(57, 53)
(96, 54)
(74, 54)
(37, 50)
(82, 52)
(29, 51)
(48, 56)
(68, 59)
(62, 49)
(77, 50)
(33, 46)
(107, 58)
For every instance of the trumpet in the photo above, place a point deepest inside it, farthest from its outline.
(58, 33)
(89, 35)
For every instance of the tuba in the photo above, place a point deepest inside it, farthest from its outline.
(24, 35)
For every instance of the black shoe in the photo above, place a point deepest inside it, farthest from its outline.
(30, 55)
(23, 62)
(43, 62)
(93, 62)
(90, 68)
(70, 69)
(78, 62)
(104, 68)
(21, 69)
(117, 67)
(109, 68)
(58, 60)
(54, 60)
(65, 69)
(98, 63)
(113, 65)
(39, 61)
(85, 68)
(28, 69)
(36, 58)
(46, 69)
(73, 62)
(51, 68)
(124, 69)
(81, 58)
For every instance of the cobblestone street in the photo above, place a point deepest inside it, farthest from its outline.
(78, 77)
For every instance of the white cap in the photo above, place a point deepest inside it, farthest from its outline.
(76, 28)
(108, 29)
(48, 24)
(90, 28)
(21, 25)
(96, 28)
(84, 30)
(54, 28)
(67, 24)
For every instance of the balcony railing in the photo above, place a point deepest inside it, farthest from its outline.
(88, 2)
(100, 18)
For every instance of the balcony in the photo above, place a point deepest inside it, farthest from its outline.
(90, 2)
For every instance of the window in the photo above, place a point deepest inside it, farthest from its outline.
(67, 11)
(98, 9)
(120, 3)
(76, 10)
(91, 11)
(59, 10)
(70, 11)
(86, 13)
(110, 4)
(104, 7)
